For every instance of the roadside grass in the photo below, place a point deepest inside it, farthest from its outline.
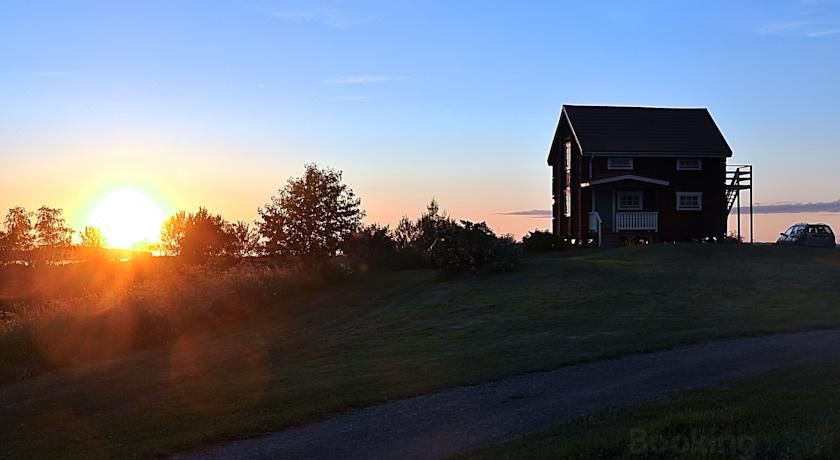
(791, 413)
(392, 335)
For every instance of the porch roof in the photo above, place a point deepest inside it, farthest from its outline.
(624, 177)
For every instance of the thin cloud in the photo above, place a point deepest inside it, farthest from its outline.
(331, 17)
(774, 28)
(823, 33)
(529, 213)
(793, 208)
(769, 208)
(365, 79)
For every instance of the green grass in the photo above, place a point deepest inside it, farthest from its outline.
(786, 414)
(394, 335)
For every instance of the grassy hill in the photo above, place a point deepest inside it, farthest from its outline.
(392, 335)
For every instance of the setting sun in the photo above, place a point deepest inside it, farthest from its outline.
(127, 217)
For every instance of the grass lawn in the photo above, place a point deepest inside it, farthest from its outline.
(393, 335)
(787, 414)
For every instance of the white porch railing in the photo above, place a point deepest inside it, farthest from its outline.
(637, 221)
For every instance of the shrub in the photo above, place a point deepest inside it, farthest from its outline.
(371, 248)
(473, 247)
(539, 241)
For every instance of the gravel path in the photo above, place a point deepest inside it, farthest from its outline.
(466, 418)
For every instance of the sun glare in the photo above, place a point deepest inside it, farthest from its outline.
(126, 218)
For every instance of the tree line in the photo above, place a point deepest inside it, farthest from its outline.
(313, 218)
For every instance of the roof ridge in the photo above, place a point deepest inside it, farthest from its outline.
(636, 106)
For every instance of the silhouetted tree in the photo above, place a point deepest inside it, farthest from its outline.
(372, 247)
(243, 240)
(18, 231)
(406, 233)
(172, 233)
(51, 231)
(194, 236)
(204, 236)
(311, 215)
(92, 238)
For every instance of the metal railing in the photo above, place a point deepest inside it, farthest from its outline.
(637, 221)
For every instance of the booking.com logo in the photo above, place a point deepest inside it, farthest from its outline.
(722, 445)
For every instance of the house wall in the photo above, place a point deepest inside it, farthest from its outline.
(675, 225)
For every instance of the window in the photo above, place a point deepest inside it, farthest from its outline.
(630, 201)
(689, 164)
(624, 164)
(567, 203)
(689, 201)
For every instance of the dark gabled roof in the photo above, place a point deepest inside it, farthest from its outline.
(648, 131)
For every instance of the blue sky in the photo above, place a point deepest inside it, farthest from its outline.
(217, 103)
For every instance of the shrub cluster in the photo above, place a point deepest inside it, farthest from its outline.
(433, 240)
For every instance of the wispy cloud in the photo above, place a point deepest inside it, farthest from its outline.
(774, 28)
(331, 17)
(529, 213)
(346, 98)
(823, 33)
(365, 79)
(793, 208)
(768, 208)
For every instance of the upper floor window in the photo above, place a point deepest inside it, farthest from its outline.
(620, 163)
(629, 201)
(689, 164)
(568, 163)
(689, 201)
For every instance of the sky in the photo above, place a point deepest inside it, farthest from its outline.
(218, 103)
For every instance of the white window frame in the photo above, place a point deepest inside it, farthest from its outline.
(614, 165)
(696, 164)
(699, 196)
(621, 207)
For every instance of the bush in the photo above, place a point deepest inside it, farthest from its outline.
(473, 247)
(371, 248)
(539, 241)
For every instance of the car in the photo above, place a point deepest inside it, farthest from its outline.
(811, 235)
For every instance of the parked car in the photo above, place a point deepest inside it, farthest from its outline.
(811, 235)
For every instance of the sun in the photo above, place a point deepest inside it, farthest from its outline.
(127, 217)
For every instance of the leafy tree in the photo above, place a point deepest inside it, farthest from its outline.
(204, 235)
(172, 233)
(92, 238)
(406, 233)
(372, 247)
(194, 236)
(243, 240)
(18, 231)
(51, 231)
(311, 215)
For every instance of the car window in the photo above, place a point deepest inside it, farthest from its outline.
(819, 229)
(791, 231)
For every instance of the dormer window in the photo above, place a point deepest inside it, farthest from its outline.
(620, 164)
(689, 164)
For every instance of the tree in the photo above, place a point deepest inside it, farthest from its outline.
(311, 215)
(172, 233)
(204, 236)
(194, 236)
(92, 238)
(51, 231)
(243, 240)
(18, 231)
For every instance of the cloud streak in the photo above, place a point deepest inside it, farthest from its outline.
(331, 17)
(365, 79)
(769, 208)
(823, 33)
(774, 28)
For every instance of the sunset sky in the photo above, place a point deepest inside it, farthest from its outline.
(218, 103)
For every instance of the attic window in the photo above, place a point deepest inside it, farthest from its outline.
(621, 164)
(689, 164)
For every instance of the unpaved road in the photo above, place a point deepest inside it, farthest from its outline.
(463, 419)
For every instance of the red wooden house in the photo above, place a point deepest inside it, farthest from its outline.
(641, 173)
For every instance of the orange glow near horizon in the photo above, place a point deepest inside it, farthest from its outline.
(127, 217)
